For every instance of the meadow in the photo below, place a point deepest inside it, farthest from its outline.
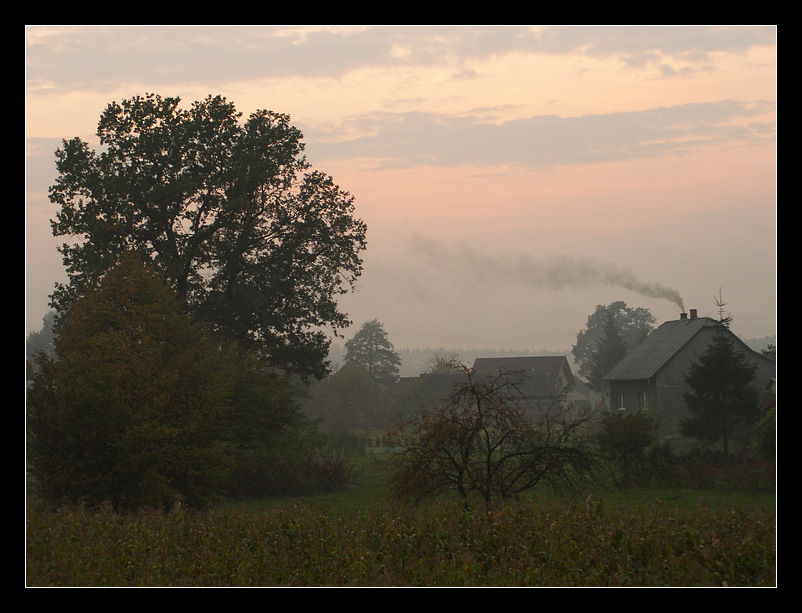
(716, 536)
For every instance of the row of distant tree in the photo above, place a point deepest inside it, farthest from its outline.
(602, 344)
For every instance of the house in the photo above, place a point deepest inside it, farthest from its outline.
(651, 376)
(547, 377)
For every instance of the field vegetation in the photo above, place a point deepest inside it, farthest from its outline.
(716, 534)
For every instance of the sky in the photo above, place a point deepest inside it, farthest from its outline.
(512, 178)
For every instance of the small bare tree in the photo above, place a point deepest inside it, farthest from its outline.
(489, 439)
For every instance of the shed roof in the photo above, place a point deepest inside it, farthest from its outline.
(653, 352)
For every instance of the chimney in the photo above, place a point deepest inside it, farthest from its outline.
(693, 313)
(683, 315)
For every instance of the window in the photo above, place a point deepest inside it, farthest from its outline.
(643, 401)
(621, 402)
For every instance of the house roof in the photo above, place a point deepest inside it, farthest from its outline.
(547, 367)
(653, 352)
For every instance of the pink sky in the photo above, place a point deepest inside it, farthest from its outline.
(469, 150)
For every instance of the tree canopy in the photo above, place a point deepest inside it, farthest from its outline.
(607, 329)
(371, 349)
(143, 406)
(126, 412)
(256, 241)
(610, 350)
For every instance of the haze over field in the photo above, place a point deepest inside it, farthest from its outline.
(512, 178)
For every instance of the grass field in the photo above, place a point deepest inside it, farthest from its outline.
(711, 537)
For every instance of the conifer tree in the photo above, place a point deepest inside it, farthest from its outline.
(127, 412)
(721, 396)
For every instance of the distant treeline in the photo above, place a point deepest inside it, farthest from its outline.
(415, 361)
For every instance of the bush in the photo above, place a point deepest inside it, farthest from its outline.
(343, 443)
(702, 470)
(623, 440)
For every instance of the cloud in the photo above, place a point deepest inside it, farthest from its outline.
(420, 138)
(94, 56)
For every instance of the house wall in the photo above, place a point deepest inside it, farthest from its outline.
(632, 396)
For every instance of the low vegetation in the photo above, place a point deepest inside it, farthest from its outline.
(717, 536)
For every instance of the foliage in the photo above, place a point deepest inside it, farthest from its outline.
(584, 545)
(766, 432)
(343, 443)
(632, 325)
(371, 349)
(273, 449)
(254, 240)
(659, 465)
(491, 440)
(127, 411)
(350, 399)
(610, 350)
(721, 397)
(443, 363)
(43, 340)
(143, 406)
(624, 439)
(703, 469)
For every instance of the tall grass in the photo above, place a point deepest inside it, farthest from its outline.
(531, 544)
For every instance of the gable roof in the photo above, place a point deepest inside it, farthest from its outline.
(653, 352)
(547, 367)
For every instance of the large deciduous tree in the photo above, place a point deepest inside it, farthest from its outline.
(256, 241)
(610, 349)
(630, 325)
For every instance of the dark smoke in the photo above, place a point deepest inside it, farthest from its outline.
(555, 273)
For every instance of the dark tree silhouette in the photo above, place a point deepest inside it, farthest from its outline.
(632, 325)
(371, 349)
(721, 396)
(488, 439)
(253, 239)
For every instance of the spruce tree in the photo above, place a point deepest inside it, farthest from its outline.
(721, 397)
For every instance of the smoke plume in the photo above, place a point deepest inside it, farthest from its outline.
(554, 273)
